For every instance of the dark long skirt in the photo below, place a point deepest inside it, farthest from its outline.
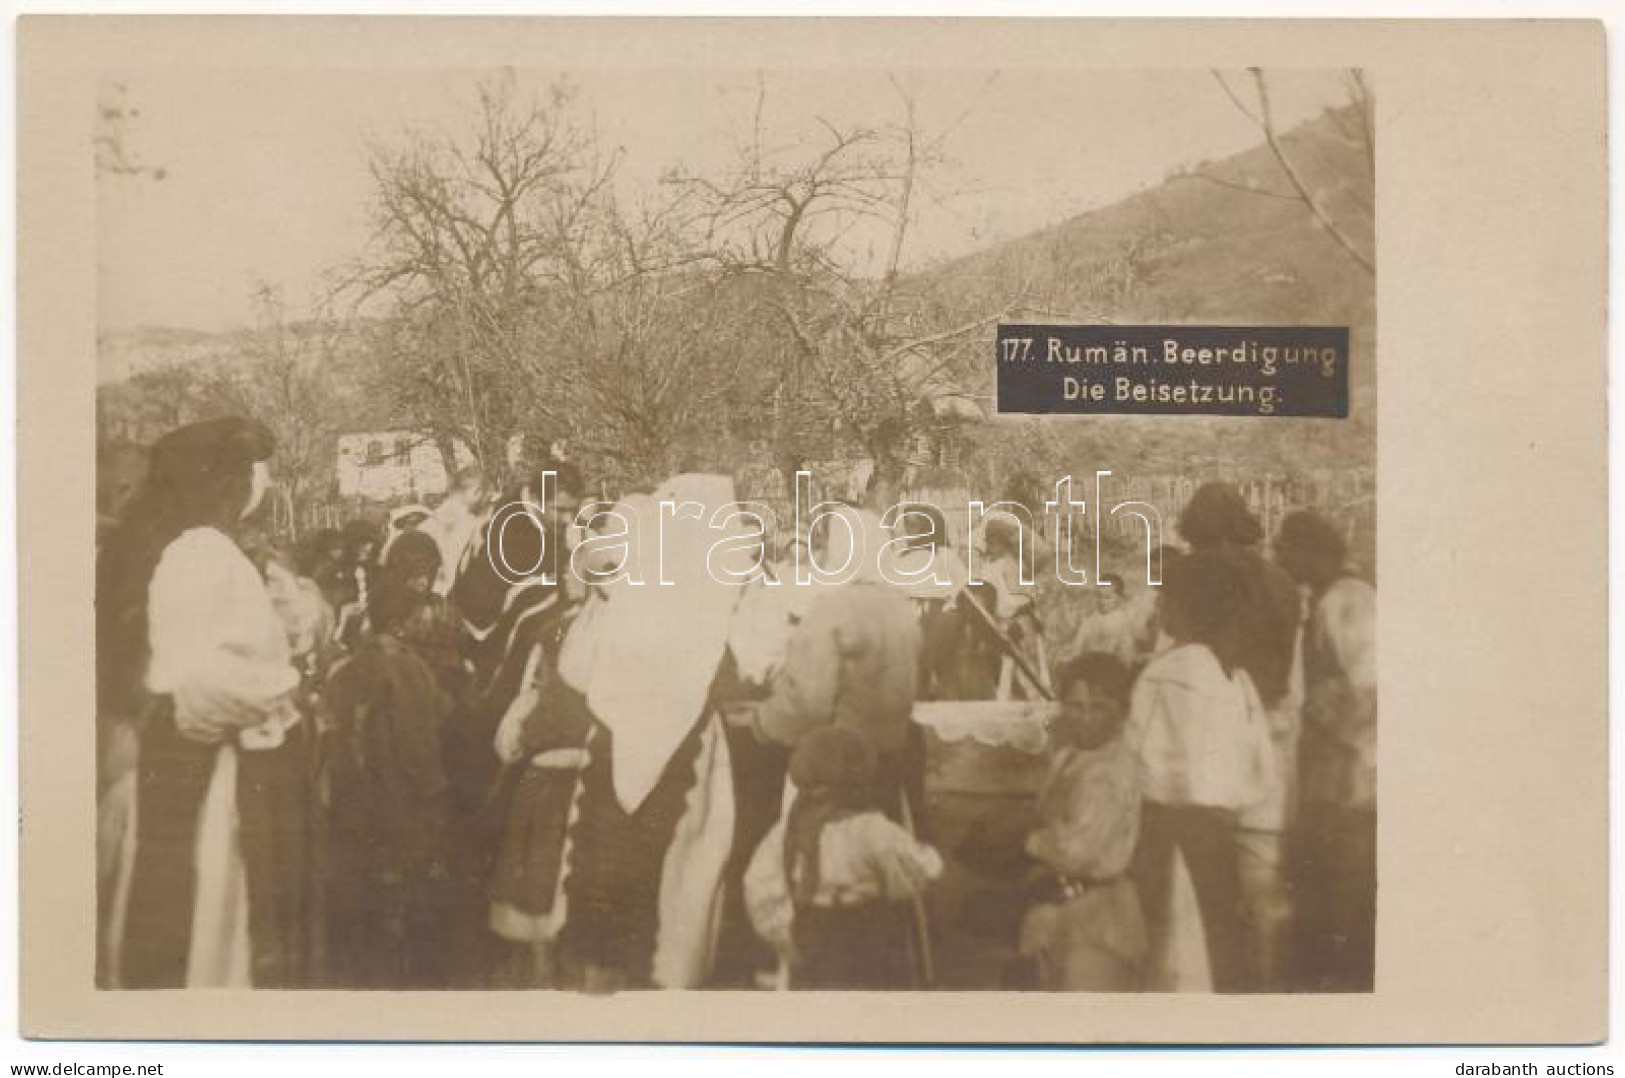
(275, 826)
(388, 920)
(173, 778)
(615, 864)
(1207, 839)
(277, 821)
(758, 777)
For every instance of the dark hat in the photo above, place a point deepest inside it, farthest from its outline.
(1217, 514)
(1101, 671)
(213, 447)
(412, 554)
(567, 478)
(1307, 531)
(360, 530)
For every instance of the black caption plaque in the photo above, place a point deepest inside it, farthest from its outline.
(1174, 370)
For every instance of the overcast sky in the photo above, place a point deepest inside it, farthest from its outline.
(266, 177)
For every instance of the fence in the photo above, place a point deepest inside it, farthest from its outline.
(1347, 496)
(294, 522)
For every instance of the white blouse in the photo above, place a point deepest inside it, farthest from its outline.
(218, 647)
(1203, 737)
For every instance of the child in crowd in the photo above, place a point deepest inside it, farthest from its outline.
(830, 885)
(433, 631)
(1087, 932)
(388, 804)
(1123, 623)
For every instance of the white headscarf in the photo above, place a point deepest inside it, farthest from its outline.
(657, 645)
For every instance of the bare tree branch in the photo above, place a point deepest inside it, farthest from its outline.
(1268, 124)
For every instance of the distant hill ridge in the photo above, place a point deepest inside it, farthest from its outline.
(1225, 242)
(1222, 242)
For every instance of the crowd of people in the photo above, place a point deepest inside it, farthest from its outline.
(378, 760)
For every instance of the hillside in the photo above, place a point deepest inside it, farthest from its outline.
(120, 354)
(1230, 246)
(1221, 242)
(1225, 248)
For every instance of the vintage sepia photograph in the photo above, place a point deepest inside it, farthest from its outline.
(769, 529)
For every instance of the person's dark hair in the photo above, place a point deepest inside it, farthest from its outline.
(567, 478)
(834, 771)
(313, 551)
(1204, 594)
(1217, 515)
(198, 476)
(1168, 558)
(412, 554)
(1315, 538)
(120, 467)
(1099, 670)
(518, 541)
(358, 533)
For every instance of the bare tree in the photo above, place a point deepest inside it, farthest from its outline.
(284, 377)
(1261, 112)
(645, 342)
(152, 402)
(281, 372)
(860, 358)
(471, 235)
(525, 298)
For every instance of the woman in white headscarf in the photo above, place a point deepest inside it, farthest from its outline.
(653, 820)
